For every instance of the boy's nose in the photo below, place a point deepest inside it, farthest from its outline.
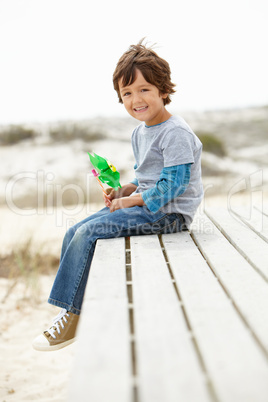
(137, 97)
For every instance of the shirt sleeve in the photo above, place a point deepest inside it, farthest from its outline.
(172, 182)
(135, 181)
(177, 147)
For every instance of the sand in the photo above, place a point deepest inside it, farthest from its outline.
(26, 374)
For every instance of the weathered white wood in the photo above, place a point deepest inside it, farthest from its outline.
(245, 286)
(102, 366)
(236, 364)
(249, 244)
(255, 220)
(263, 210)
(168, 368)
(167, 365)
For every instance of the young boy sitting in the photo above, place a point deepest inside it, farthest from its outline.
(162, 198)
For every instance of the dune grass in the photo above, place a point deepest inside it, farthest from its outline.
(25, 266)
(211, 143)
(15, 133)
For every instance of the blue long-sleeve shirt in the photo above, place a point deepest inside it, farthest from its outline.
(172, 182)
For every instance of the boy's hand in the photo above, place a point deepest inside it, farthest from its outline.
(124, 191)
(119, 203)
(106, 200)
(126, 202)
(111, 194)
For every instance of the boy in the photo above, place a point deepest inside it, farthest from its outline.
(162, 198)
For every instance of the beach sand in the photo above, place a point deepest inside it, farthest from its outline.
(26, 374)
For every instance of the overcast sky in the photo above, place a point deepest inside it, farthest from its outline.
(58, 56)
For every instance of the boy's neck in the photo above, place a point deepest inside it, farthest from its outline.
(164, 117)
(158, 124)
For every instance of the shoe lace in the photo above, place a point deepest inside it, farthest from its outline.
(58, 322)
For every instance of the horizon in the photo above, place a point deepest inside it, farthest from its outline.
(125, 116)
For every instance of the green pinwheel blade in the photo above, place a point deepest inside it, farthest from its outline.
(106, 175)
(99, 163)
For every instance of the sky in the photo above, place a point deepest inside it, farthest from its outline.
(57, 57)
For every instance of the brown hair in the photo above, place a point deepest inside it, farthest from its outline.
(154, 69)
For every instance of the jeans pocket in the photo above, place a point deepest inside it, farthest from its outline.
(171, 223)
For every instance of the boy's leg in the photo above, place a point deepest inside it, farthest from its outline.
(78, 249)
(70, 233)
(70, 282)
(62, 331)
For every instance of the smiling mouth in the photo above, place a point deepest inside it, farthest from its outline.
(140, 109)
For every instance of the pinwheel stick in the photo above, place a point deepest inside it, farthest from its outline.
(95, 174)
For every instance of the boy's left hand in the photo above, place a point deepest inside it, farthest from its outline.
(126, 202)
(119, 203)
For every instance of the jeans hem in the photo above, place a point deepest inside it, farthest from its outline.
(64, 305)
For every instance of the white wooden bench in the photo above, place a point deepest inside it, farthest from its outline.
(177, 318)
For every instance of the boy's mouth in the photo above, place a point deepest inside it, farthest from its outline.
(140, 109)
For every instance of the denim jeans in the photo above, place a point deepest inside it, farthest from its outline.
(80, 241)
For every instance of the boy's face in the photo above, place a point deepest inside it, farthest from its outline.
(143, 101)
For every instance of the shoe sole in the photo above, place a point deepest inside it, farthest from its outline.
(51, 348)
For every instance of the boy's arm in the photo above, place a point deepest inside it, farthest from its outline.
(172, 182)
(122, 192)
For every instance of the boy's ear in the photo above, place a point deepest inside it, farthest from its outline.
(164, 96)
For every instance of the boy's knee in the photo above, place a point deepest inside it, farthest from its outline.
(87, 229)
(69, 235)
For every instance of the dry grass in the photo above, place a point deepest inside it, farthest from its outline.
(22, 265)
(13, 134)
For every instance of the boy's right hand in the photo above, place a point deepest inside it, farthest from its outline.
(109, 197)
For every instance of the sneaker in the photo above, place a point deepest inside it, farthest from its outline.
(60, 334)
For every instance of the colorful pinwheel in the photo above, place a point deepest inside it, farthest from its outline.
(105, 172)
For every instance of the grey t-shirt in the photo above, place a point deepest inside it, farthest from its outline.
(170, 143)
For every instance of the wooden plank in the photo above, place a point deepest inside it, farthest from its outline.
(247, 289)
(167, 364)
(102, 366)
(249, 244)
(255, 220)
(264, 210)
(235, 363)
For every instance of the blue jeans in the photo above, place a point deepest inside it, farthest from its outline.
(80, 241)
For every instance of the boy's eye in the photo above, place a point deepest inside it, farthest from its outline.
(126, 93)
(144, 90)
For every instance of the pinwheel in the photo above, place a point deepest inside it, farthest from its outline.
(104, 172)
